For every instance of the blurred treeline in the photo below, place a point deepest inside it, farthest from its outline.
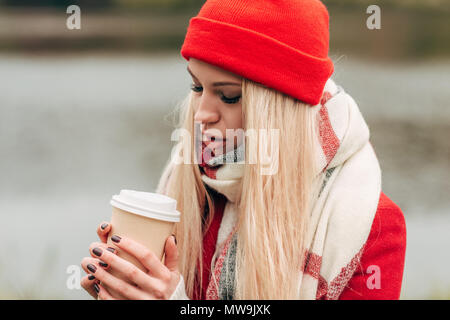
(183, 4)
(162, 5)
(410, 29)
(176, 5)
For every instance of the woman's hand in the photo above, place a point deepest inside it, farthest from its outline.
(159, 282)
(103, 230)
(89, 282)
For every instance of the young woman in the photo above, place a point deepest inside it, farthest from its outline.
(291, 206)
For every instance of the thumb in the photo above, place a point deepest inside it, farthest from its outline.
(171, 252)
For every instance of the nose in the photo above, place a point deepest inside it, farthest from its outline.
(207, 112)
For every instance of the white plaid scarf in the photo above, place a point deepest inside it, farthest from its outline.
(341, 217)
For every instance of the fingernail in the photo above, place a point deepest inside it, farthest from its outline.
(174, 238)
(91, 268)
(103, 226)
(103, 264)
(96, 288)
(115, 238)
(111, 249)
(91, 277)
(97, 251)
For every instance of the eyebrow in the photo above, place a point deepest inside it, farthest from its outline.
(216, 84)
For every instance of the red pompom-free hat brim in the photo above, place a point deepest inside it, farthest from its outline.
(257, 57)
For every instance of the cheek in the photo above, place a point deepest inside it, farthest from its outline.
(233, 118)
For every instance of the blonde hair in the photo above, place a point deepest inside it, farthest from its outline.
(273, 210)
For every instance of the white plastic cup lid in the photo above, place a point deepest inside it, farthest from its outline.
(147, 204)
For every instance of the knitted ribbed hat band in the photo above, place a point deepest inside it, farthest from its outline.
(281, 44)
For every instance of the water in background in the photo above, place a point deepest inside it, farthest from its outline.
(76, 130)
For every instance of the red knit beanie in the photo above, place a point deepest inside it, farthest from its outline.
(282, 44)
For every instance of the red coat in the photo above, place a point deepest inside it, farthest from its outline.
(385, 249)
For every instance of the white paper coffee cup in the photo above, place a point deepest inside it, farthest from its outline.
(147, 204)
(146, 217)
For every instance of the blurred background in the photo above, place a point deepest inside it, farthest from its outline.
(85, 113)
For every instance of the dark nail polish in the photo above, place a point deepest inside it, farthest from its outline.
(116, 238)
(103, 226)
(104, 265)
(91, 277)
(111, 249)
(91, 268)
(96, 288)
(174, 238)
(97, 251)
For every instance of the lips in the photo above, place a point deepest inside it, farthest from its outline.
(215, 146)
(211, 135)
(212, 139)
(206, 156)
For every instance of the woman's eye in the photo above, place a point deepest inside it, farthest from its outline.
(196, 88)
(230, 100)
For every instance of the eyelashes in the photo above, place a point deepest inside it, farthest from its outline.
(223, 98)
(196, 88)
